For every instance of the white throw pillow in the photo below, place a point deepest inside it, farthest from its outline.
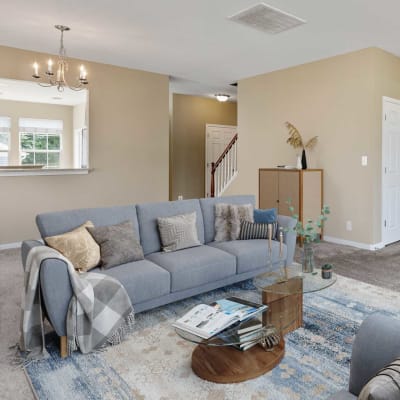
(178, 232)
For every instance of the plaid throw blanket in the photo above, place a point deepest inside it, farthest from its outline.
(100, 311)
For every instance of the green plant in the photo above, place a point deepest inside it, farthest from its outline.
(309, 232)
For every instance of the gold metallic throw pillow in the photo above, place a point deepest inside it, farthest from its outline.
(78, 246)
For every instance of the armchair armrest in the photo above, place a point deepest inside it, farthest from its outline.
(289, 235)
(377, 343)
(55, 287)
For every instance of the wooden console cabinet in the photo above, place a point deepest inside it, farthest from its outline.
(304, 187)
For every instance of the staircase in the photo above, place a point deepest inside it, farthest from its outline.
(224, 170)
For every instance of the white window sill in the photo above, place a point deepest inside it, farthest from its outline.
(34, 171)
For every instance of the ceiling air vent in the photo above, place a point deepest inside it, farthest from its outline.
(267, 19)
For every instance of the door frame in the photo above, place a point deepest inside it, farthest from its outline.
(206, 186)
(385, 100)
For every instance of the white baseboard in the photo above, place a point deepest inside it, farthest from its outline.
(359, 245)
(6, 246)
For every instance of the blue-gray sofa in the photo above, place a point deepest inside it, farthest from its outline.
(161, 277)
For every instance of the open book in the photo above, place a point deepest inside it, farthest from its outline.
(207, 320)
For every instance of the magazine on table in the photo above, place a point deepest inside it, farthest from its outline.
(207, 320)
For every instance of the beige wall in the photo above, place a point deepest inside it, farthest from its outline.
(18, 109)
(128, 118)
(338, 99)
(190, 114)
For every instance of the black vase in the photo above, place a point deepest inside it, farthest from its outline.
(303, 160)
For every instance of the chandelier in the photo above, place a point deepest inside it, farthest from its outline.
(57, 78)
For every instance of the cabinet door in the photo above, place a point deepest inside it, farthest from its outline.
(268, 187)
(312, 194)
(289, 188)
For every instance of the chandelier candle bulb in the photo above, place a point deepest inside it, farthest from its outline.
(50, 67)
(35, 70)
(83, 73)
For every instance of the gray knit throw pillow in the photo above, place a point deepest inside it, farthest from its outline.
(119, 244)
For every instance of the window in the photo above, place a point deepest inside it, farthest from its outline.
(5, 125)
(40, 142)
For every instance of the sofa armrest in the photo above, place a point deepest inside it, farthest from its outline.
(26, 246)
(289, 235)
(55, 287)
(56, 292)
(377, 343)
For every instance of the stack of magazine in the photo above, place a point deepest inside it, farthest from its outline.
(246, 336)
(206, 321)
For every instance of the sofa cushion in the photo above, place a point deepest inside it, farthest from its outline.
(54, 223)
(195, 266)
(251, 254)
(207, 207)
(143, 280)
(149, 212)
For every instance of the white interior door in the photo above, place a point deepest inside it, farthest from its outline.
(217, 138)
(390, 171)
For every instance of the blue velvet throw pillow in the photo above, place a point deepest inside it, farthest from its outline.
(267, 216)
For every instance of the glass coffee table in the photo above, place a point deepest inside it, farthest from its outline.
(218, 359)
(283, 291)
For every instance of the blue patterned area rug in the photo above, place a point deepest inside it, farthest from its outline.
(154, 363)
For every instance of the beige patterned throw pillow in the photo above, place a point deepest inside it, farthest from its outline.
(78, 246)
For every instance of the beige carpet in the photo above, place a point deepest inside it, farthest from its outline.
(380, 268)
(13, 383)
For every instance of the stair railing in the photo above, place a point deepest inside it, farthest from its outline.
(224, 170)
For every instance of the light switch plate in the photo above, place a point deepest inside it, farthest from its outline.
(364, 161)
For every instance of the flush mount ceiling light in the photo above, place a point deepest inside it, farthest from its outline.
(58, 78)
(267, 19)
(222, 97)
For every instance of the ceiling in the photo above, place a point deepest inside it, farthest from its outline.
(192, 40)
(16, 90)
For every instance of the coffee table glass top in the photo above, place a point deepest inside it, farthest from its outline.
(291, 280)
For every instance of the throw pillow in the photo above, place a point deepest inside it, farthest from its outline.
(267, 216)
(385, 385)
(118, 243)
(239, 214)
(178, 232)
(78, 246)
(249, 230)
(222, 222)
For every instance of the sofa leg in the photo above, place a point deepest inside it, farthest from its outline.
(63, 347)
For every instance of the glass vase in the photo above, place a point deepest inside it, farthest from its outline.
(308, 258)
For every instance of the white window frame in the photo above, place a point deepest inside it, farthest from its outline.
(5, 127)
(42, 127)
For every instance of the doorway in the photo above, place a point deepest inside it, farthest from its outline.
(217, 139)
(390, 170)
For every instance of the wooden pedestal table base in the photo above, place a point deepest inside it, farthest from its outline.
(225, 364)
